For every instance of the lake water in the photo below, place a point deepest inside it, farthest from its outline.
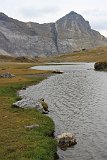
(77, 102)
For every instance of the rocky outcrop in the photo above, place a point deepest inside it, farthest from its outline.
(28, 103)
(68, 34)
(100, 66)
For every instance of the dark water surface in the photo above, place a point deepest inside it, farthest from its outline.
(78, 104)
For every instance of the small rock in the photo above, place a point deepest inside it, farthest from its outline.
(24, 87)
(58, 71)
(15, 105)
(45, 112)
(32, 126)
(100, 66)
(7, 75)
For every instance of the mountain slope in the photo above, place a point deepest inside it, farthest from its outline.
(68, 34)
(74, 33)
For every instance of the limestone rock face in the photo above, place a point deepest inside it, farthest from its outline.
(68, 34)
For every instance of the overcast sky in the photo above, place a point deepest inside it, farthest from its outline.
(43, 11)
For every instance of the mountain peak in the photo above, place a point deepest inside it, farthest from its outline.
(72, 16)
(72, 13)
(74, 21)
(70, 33)
(3, 16)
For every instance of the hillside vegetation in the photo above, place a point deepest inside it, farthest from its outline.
(92, 55)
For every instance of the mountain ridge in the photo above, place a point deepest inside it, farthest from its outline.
(70, 33)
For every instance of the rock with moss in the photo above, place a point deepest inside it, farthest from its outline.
(100, 66)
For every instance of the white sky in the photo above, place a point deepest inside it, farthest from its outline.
(43, 11)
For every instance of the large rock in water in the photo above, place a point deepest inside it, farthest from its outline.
(68, 34)
(100, 66)
(66, 140)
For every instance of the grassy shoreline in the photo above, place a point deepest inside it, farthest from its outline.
(16, 142)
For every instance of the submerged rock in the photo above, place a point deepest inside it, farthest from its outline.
(66, 140)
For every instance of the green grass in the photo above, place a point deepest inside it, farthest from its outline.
(16, 142)
(11, 89)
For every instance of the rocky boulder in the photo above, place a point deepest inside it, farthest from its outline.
(28, 103)
(7, 75)
(100, 66)
(66, 140)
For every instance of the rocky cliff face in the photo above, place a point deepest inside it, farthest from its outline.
(68, 34)
(74, 33)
